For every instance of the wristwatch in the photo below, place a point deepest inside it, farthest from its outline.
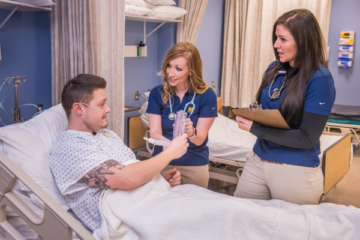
(195, 134)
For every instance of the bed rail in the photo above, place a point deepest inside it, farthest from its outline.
(336, 162)
(56, 223)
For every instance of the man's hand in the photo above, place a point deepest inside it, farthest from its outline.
(173, 176)
(178, 146)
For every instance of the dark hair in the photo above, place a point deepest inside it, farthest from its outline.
(310, 43)
(80, 89)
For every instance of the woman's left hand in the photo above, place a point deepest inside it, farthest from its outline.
(189, 129)
(244, 124)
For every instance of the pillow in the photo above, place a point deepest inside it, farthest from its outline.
(139, 3)
(37, 2)
(28, 144)
(161, 2)
(167, 12)
(136, 10)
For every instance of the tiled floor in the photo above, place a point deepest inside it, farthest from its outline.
(346, 191)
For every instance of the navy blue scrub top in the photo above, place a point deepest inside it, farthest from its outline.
(319, 99)
(205, 107)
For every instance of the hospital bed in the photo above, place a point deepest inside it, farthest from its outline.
(31, 206)
(344, 119)
(229, 145)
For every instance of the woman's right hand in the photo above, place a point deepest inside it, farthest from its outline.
(178, 146)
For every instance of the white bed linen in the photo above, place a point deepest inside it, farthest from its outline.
(228, 141)
(157, 211)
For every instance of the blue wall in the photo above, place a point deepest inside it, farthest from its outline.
(140, 73)
(209, 41)
(345, 17)
(26, 50)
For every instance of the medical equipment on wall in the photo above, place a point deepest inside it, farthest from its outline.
(18, 80)
(346, 49)
(179, 126)
(277, 92)
(172, 115)
(141, 50)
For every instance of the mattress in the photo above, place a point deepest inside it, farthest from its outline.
(228, 141)
(345, 112)
(341, 121)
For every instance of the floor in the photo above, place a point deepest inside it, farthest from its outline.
(346, 191)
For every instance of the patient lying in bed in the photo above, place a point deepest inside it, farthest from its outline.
(88, 159)
(121, 198)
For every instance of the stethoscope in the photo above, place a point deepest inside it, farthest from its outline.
(277, 92)
(172, 115)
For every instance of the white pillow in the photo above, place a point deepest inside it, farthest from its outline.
(168, 12)
(136, 10)
(28, 144)
(161, 2)
(37, 2)
(139, 3)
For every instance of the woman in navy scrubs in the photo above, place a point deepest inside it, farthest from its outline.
(183, 84)
(285, 163)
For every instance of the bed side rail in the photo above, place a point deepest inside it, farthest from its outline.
(56, 224)
(336, 162)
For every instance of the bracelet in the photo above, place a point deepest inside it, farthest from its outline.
(194, 135)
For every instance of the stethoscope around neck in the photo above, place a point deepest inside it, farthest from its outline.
(172, 115)
(277, 92)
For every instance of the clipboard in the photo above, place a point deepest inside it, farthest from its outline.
(268, 117)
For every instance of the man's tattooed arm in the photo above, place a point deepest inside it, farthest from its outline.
(97, 177)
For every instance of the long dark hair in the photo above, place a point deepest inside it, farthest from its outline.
(310, 43)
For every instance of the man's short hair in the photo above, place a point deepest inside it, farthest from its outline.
(80, 89)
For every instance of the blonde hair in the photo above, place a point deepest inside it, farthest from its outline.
(191, 54)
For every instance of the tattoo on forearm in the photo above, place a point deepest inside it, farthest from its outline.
(96, 177)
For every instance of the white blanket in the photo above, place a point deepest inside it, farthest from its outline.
(157, 211)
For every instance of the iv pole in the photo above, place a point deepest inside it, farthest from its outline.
(17, 81)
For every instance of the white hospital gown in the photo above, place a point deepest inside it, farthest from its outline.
(73, 155)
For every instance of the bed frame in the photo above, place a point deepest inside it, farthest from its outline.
(335, 164)
(56, 223)
(340, 129)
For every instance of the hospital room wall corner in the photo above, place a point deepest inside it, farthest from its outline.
(25, 42)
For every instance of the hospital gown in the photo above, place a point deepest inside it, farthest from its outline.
(73, 155)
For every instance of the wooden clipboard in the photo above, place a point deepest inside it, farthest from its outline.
(269, 117)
